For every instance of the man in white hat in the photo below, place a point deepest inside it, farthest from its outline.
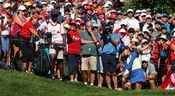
(131, 21)
(148, 24)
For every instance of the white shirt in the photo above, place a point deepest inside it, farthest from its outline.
(6, 31)
(132, 23)
(145, 27)
(56, 30)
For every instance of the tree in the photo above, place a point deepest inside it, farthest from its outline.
(155, 5)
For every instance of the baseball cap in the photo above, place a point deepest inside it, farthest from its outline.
(21, 8)
(130, 10)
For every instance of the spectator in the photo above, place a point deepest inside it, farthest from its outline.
(74, 42)
(26, 33)
(150, 73)
(88, 53)
(131, 21)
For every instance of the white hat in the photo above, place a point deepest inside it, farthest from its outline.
(1, 1)
(144, 41)
(174, 34)
(53, 1)
(6, 5)
(43, 2)
(21, 8)
(138, 11)
(163, 37)
(107, 4)
(122, 31)
(130, 10)
(67, 4)
(148, 16)
(50, 7)
(28, 3)
(143, 14)
(144, 11)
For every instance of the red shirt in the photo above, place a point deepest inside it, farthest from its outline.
(25, 32)
(74, 42)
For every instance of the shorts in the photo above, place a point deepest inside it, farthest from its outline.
(109, 63)
(27, 51)
(16, 41)
(58, 50)
(73, 61)
(89, 63)
(5, 41)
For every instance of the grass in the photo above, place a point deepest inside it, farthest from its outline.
(22, 84)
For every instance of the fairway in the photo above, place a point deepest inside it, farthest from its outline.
(22, 84)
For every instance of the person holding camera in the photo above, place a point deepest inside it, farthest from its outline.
(108, 50)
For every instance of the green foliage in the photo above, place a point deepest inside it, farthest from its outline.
(155, 5)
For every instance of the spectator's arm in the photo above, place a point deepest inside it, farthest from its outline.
(87, 41)
(33, 31)
(18, 21)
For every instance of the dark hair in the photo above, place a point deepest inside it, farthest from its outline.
(131, 30)
(54, 15)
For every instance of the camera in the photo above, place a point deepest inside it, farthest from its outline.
(1, 17)
(108, 27)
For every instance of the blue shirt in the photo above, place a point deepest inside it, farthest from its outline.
(130, 60)
(110, 48)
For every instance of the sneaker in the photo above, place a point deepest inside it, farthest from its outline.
(71, 80)
(92, 84)
(99, 86)
(85, 83)
(75, 80)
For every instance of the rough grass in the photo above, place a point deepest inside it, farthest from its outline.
(22, 84)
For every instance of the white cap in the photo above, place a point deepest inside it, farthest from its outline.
(1, 1)
(6, 5)
(122, 31)
(43, 2)
(66, 4)
(174, 34)
(144, 40)
(148, 16)
(143, 14)
(107, 4)
(50, 7)
(138, 11)
(130, 10)
(144, 11)
(163, 37)
(28, 3)
(21, 8)
(53, 1)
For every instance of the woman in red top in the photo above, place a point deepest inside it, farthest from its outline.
(73, 51)
(17, 24)
(26, 46)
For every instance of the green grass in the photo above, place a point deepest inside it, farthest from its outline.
(22, 84)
